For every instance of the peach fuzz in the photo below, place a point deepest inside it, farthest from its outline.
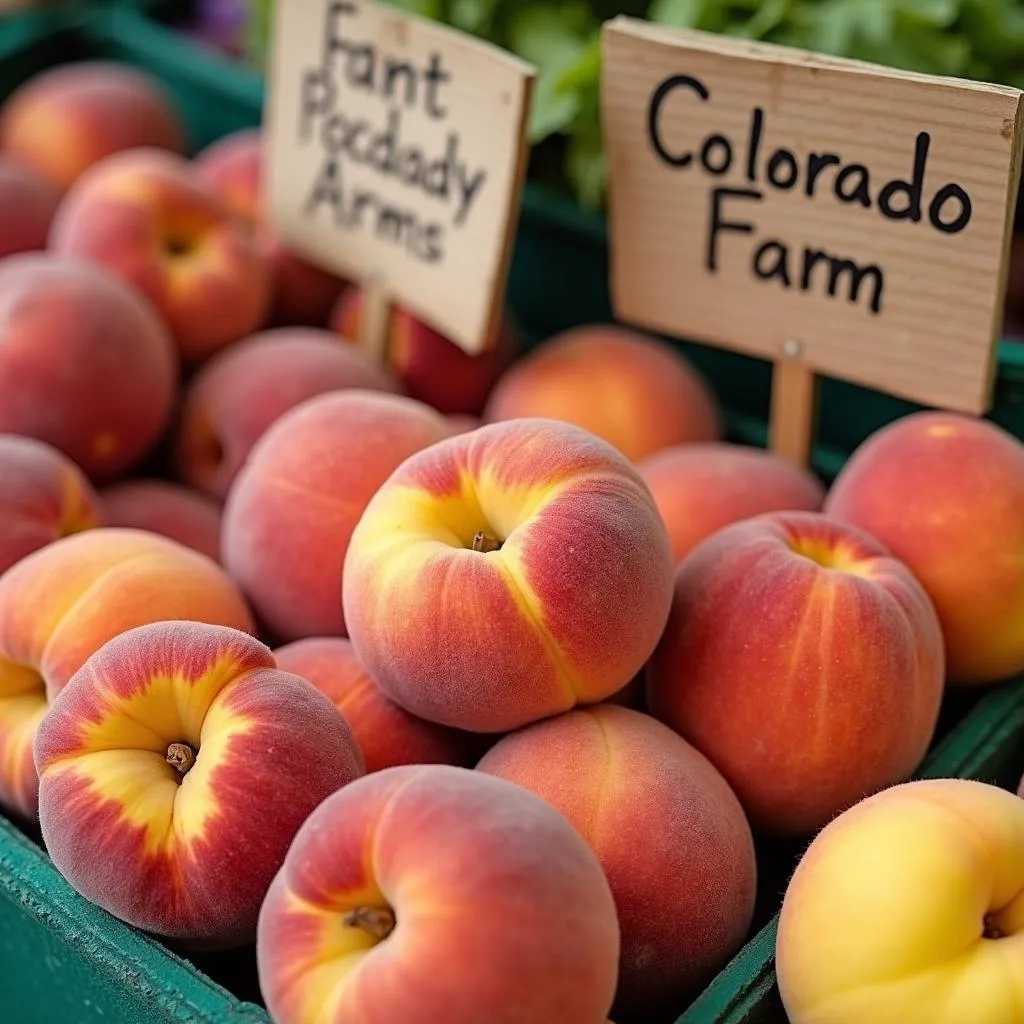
(64, 120)
(535, 549)
(146, 216)
(701, 488)
(244, 390)
(85, 363)
(61, 604)
(43, 496)
(233, 167)
(631, 390)
(432, 368)
(168, 509)
(394, 878)
(175, 769)
(804, 662)
(387, 735)
(944, 492)
(27, 206)
(927, 879)
(670, 834)
(293, 507)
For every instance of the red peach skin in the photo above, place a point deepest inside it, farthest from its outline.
(175, 769)
(86, 365)
(387, 735)
(429, 894)
(804, 661)
(43, 496)
(292, 509)
(507, 575)
(27, 207)
(239, 394)
(944, 493)
(670, 834)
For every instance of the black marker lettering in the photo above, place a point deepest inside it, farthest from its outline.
(911, 189)
(654, 116)
(861, 191)
(962, 219)
(435, 76)
(771, 260)
(816, 163)
(722, 165)
(717, 223)
(756, 130)
(839, 268)
(782, 169)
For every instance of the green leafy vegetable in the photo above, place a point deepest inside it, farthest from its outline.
(978, 39)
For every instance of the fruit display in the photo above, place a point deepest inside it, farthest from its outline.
(496, 689)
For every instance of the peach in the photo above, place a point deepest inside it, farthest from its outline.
(685, 891)
(293, 507)
(433, 368)
(804, 662)
(700, 488)
(149, 218)
(507, 575)
(85, 363)
(943, 492)
(168, 509)
(631, 390)
(387, 735)
(464, 424)
(175, 769)
(66, 119)
(394, 879)
(61, 604)
(233, 166)
(27, 206)
(43, 496)
(242, 391)
(927, 879)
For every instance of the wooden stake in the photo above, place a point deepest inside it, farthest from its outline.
(374, 319)
(794, 412)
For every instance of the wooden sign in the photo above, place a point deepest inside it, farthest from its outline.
(397, 152)
(835, 217)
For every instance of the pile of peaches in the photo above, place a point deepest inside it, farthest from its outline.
(461, 687)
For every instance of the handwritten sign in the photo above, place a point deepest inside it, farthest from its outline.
(836, 217)
(397, 151)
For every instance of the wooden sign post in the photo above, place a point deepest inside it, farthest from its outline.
(397, 150)
(835, 217)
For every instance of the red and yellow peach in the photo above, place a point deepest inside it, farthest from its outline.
(685, 892)
(149, 218)
(293, 507)
(804, 661)
(701, 488)
(233, 167)
(392, 879)
(43, 496)
(241, 392)
(387, 735)
(175, 769)
(64, 120)
(61, 604)
(631, 390)
(85, 363)
(507, 575)
(943, 492)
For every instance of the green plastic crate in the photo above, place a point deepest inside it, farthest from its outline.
(62, 959)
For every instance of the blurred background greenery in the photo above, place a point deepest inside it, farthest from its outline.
(978, 39)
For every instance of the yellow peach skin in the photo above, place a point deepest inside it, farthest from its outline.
(909, 909)
(61, 604)
(506, 575)
(434, 894)
(175, 769)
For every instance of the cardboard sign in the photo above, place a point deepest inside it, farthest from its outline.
(836, 217)
(397, 152)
